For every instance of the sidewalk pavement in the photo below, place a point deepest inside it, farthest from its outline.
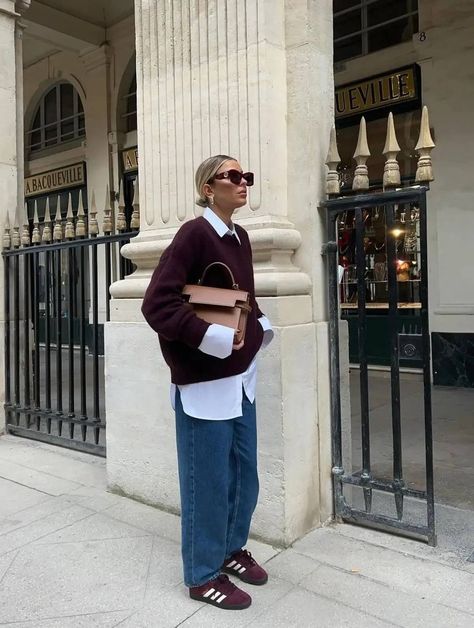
(73, 555)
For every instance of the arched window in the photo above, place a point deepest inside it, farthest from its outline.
(59, 118)
(130, 107)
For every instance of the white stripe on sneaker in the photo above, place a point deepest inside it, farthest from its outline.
(237, 567)
(242, 570)
(216, 595)
(222, 597)
(208, 593)
(232, 563)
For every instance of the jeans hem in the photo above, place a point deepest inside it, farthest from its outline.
(216, 575)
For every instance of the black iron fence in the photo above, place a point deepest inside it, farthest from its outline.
(377, 221)
(56, 303)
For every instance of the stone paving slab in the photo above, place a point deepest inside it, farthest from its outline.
(30, 515)
(74, 578)
(88, 620)
(16, 498)
(291, 566)
(147, 518)
(96, 499)
(83, 557)
(379, 600)
(413, 575)
(24, 535)
(168, 608)
(39, 481)
(302, 609)
(56, 461)
(96, 527)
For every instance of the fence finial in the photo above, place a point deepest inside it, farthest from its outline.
(7, 241)
(36, 237)
(424, 171)
(25, 234)
(107, 221)
(333, 159)
(80, 223)
(361, 154)
(391, 171)
(93, 224)
(135, 220)
(121, 220)
(46, 237)
(16, 241)
(69, 232)
(58, 222)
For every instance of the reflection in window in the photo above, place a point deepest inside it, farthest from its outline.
(59, 118)
(364, 26)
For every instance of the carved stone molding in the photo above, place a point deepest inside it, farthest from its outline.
(273, 246)
(96, 58)
(22, 5)
(207, 84)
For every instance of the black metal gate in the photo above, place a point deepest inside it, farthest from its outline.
(359, 283)
(56, 302)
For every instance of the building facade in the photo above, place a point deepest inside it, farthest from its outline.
(426, 44)
(98, 94)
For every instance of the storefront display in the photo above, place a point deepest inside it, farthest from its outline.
(398, 91)
(406, 236)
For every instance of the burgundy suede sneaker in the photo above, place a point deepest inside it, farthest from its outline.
(221, 592)
(245, 567)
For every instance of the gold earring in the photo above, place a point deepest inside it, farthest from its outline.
(211, 200)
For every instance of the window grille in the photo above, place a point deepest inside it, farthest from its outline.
(59, 118)
(365, 26)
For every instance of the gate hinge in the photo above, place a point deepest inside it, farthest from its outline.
(329, 247)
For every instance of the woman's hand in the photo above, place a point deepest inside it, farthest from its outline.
(237, 345)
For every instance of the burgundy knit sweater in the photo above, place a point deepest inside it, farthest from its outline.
(180, 331)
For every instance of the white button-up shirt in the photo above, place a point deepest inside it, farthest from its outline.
(221, 399)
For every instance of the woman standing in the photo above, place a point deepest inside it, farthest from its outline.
(213, 390)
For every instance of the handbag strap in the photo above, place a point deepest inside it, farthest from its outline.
(235, 286)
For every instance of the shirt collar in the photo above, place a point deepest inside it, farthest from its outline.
(219, 225)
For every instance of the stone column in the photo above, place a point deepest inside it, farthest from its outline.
(251, 79)
(99, 172)
(11, 130)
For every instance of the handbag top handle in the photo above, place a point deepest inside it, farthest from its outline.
(235, 286)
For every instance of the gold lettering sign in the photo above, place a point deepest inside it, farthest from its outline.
(381, 91)
(130, 159)
(58, 179)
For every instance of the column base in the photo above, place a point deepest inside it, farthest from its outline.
(141, 449)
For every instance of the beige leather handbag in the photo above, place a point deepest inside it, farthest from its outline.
(224, 306)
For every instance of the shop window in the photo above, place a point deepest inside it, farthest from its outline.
(59, 118)
(364, 26)
(130, 108)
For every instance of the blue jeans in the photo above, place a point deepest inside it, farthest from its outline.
(217, 463)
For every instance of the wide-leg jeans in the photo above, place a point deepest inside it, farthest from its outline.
(217, 463)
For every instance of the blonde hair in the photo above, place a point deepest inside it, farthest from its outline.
(205, 172)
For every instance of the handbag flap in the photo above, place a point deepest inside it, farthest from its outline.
(206, 295)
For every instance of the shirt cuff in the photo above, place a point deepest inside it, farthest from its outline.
(218, 341)
(268, 332)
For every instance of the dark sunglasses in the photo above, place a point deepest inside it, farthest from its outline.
(235, 176)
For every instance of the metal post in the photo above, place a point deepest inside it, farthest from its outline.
(394, 358)
(362, 337)
(426, 372)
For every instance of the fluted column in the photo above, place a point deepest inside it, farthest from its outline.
(11, 128)
(253, 79)
(211, 78)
